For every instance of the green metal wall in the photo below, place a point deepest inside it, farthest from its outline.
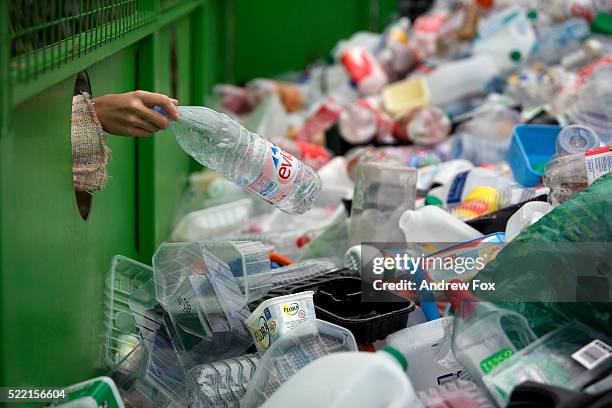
(53, 263)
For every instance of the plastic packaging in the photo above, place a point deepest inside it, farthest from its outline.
(481, 334)
(507, 36)
(527, 215)
(458, 394)
(355, 380)
(427, 348)
(426, 126)
(576, 139)
(298, 348)
(343, 301)
(455, 80)
(94, 393)
(311, 154)
(433, 224)
(221, 383)
(532, 147)
(364, 70)
(403, 96)
(220, 143)
(362, 121)
(275, 317)
(565, 176)
(593, 105)
(321, 117)
(382, 193)
(440, 174)
(204, 300)
(571, 357)
(557, 41)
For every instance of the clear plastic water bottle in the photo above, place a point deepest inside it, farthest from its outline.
(222, 383)
(255, 164)
(556, 41)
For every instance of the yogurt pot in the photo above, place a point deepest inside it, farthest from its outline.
(277, 316)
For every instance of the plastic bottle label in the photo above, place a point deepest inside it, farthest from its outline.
(277, 178)
(456, 190)
(598, 162)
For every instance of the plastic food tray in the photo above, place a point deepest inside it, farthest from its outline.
(338, 300)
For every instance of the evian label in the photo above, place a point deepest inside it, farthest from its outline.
(279, 174)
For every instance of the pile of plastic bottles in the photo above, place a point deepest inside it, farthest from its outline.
(480, 128)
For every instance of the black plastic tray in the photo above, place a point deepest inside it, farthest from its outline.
(339, 300)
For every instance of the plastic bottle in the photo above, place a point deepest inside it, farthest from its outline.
(351, 380)
(311, 154)
(222, 383)
(363, 120)
(481, 331)
(455, 80)
(463, 183)
(222, 144)
(433, 224)
(364, 70)
(507, 37)
(440, 174)
(589, 52)
(527, 215)
(425, 126)
(321, 118)
(430, 361)
(559, 40)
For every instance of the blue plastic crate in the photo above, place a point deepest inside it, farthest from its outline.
(531, 145)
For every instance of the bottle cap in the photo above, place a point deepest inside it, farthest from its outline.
(515, 55)
(602, 23)
(397, 355)
(532, 14)
(433, 200)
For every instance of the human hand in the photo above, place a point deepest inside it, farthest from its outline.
(131, 114)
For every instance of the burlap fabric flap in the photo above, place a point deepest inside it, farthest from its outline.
(89, 152)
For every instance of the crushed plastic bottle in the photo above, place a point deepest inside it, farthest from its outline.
(222, 144)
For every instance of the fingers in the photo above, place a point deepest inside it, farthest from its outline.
(148, 125)
(152, 118)
(154, 99)
(136, 131)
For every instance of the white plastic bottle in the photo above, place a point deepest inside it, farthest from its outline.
(433, 224)
(462, 184)
(526, 216)
(442, 173)
(427, 347)
(349, 380)
(222, 144)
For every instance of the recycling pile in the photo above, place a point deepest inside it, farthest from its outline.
(482, 125)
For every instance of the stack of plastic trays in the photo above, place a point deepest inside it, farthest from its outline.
(125, 277)
(261, 284)
(163, 369)
(304, 344)
(204, 302)
(222, 383)
(246, 259)
(214, 222)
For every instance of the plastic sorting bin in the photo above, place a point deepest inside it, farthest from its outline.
(340, 301)
(532, 147)
(307, 342)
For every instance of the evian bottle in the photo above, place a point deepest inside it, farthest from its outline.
(253, 163)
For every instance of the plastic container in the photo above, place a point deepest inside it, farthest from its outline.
(364, 69)
(298, 348)
(576, 139)
(214, 222)
(455, 80)
(526, 216)
(565, 176)
(125, 277)
(510, 42)
(433, 224)
(341, 301)
(426, 126)
(221, 383)
(204, 300)
(593, 106)
(532, 147)
(440, 174)
(275, 317)
(349, 380)
(458, 394)
(570, 357)
(427, 348)
(382, 193)
(94, 393)
(403, 96)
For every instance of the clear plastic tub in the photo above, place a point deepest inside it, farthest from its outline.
(565, 176)
(406, 95)
(309, 341)
(204, 301)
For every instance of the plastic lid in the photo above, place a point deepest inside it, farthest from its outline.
(532, 14)
(397, 355)
(515, 55)
(433, 200)
(602, 23)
